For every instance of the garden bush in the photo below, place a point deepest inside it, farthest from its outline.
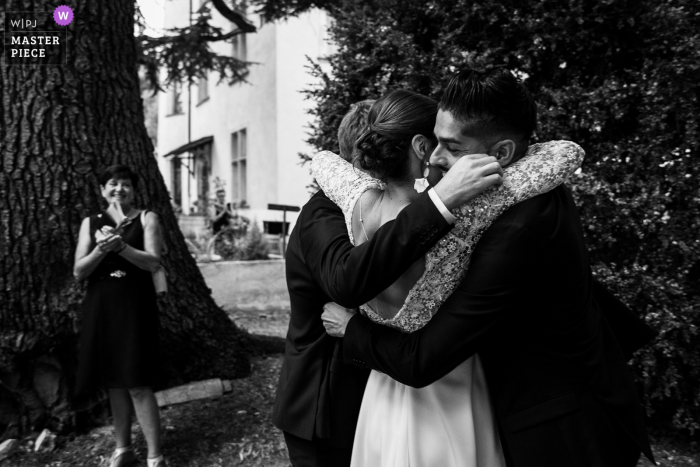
(620, 78)
(254, 246)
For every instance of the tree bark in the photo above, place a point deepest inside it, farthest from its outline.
(60, 126)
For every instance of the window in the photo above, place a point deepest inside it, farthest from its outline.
(176, 99)
(176, 180)
(240, 50)
(203, 89)
(238, 166)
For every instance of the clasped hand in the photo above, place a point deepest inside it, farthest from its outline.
(335, 319)
(107, 240)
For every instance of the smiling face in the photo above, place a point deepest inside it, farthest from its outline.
(120, 190)
(454, 140)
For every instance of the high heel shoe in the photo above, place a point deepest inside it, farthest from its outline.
(122, 459)
(156, 462)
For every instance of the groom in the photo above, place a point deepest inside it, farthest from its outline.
(528, 305)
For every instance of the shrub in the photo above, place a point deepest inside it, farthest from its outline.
(254, 246)
(619, 77)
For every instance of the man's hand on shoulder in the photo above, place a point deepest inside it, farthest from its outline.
(470, 176)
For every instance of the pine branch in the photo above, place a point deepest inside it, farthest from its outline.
(186, 55)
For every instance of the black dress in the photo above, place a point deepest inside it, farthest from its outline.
(225, 219)
(119, 337)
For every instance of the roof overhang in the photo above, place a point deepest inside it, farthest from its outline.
(190, 146)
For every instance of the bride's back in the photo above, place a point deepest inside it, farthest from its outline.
(376, 210)
(392, 149)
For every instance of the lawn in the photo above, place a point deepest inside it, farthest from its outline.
(235, 429)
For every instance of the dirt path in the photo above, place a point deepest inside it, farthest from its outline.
(272, 322)
(235, 430)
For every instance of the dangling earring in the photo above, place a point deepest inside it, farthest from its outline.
(421, 184)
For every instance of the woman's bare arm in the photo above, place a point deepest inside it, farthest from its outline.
(149, 258)
(87, 256)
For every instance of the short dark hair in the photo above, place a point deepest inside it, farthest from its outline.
(494, 100)
(393, 121)
(118, 172)
(351, 127)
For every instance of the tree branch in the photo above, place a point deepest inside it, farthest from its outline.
(233, 16)
(185, 53)
(222, 37)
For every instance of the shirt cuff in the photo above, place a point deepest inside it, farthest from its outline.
(441, 207)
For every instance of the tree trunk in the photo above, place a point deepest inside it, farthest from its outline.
(60, 126)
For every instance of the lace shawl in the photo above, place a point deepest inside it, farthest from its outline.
(544, 167)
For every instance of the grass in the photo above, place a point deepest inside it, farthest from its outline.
(235, 429)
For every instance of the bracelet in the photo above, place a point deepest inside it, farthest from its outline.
(121, 249)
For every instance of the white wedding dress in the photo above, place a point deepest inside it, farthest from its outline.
(450, 422)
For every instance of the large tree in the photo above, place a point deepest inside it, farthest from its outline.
(59, 126)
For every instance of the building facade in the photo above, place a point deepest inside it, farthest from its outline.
(246, 137)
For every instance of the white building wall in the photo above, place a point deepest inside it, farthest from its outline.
(173, 129)
(297, 38)
(257, 103)
(270, 106)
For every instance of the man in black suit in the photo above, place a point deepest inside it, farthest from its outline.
(318, 397)
(528, 305)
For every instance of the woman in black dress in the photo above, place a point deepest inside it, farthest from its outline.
(117, 251)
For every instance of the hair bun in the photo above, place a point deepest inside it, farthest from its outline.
(373, 154)
(393, 121)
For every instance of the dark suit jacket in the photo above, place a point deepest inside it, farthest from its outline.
(562, 393)
(318, 395)
(631, 332)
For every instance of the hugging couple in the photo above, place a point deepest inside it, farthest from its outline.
(481, 339)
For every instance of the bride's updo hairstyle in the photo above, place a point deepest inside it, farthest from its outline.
(393, 121)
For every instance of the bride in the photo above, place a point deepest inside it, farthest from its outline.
(450, 422)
